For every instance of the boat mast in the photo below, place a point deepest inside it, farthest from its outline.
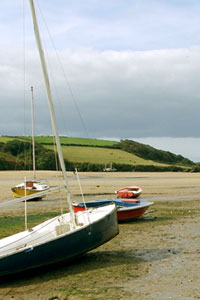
(51, 107)
(33, 133)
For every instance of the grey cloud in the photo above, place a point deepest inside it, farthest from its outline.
(118, 93)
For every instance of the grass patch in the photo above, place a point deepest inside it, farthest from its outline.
(75, 141)
(102, 155)
(173, 210)
(5, 139)
(11, 225)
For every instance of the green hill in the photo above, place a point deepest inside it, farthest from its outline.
(89, 155)
(148, 152)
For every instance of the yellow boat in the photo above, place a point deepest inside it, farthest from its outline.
(29, 188)
(33, 186)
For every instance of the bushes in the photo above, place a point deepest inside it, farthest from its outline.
(153, 168)
(18, 155)
(196, 168)
(88, 167)
(16, 147)
(6, 164)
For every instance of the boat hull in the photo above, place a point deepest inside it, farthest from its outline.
(131, 214)
(17, 192)
(64, 248)
(126, 210)
(129, 192)
(29, 188)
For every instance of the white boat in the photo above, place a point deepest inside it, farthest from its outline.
(30, 187)
(61, 238)
(109, 169)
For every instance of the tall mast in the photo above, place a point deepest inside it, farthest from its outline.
(33, 133)
(51, 107)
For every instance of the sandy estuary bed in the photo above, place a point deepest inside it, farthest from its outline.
(155, 258)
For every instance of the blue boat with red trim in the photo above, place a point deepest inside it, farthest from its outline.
(127, 209)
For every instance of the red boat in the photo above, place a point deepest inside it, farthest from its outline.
(127, 209)
(133, 212)
(132, 191)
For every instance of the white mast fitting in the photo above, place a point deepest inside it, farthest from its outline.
(51, 107)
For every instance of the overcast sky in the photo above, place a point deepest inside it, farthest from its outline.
(126, 69)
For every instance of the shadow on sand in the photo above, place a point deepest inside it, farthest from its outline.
(95, 260)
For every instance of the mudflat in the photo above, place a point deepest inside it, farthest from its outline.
(157, 257)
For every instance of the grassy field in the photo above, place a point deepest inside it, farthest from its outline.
(64, 141)
(102, 156)
(75, 141)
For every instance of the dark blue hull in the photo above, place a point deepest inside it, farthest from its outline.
(99, 203)
(63, 248)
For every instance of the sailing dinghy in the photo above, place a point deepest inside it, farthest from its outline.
(64, 237)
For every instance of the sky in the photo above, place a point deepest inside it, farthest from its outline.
(118, 70)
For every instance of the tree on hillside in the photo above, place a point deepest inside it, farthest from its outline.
(148, 152)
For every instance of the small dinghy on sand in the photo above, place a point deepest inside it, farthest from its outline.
(127, 209)
(133, 191)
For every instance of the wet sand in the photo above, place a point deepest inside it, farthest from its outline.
(155, 258)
